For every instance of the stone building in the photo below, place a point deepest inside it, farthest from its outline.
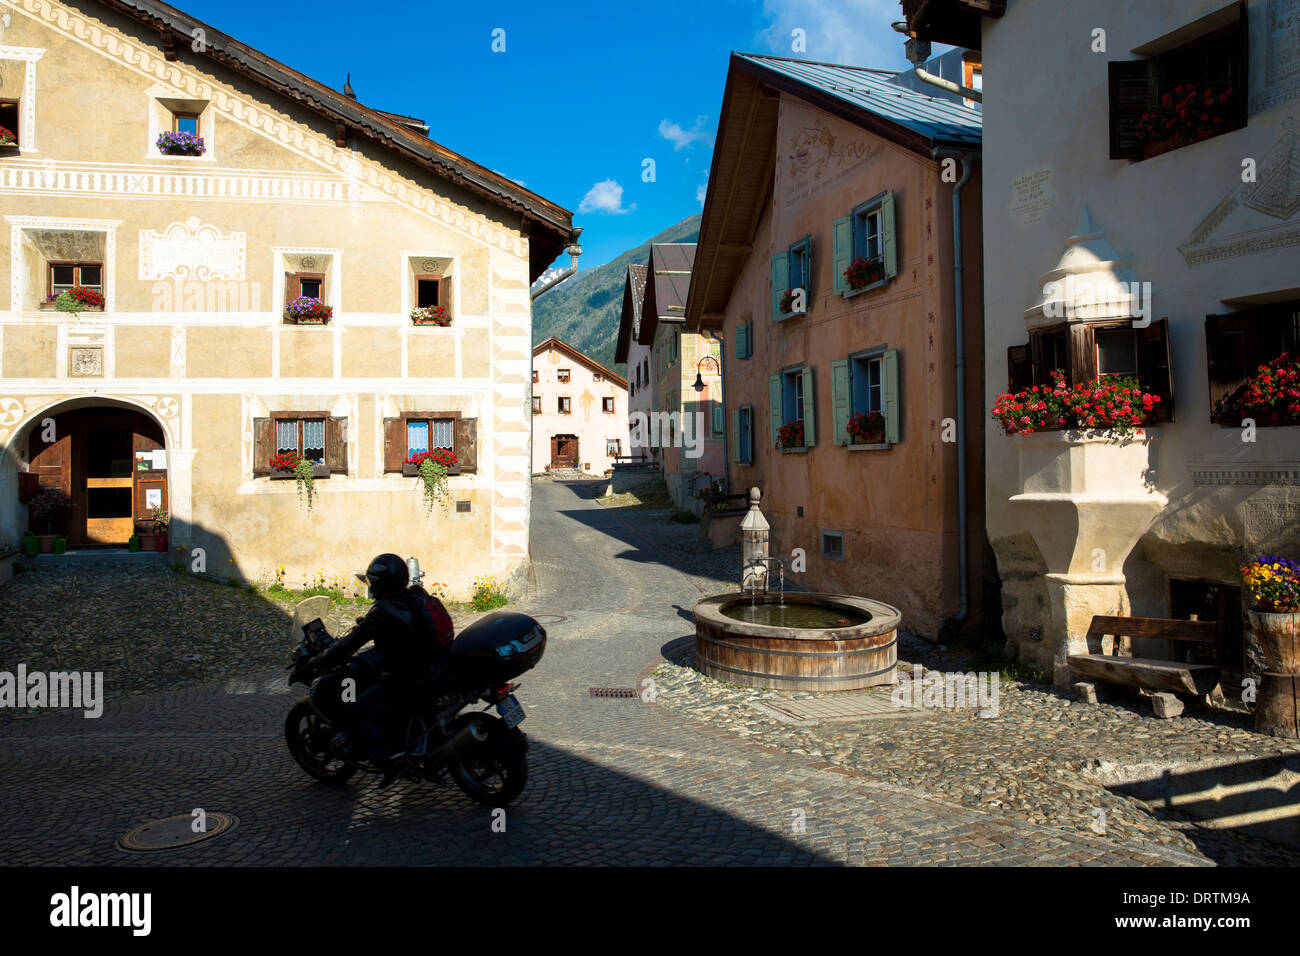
(579, 411)
(193, 373)
(1120, 242)
(818, 166)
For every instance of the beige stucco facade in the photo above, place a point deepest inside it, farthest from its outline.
(196, 252)
(597, 410)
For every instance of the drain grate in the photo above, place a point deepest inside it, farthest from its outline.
(612, 692)
(175, 832)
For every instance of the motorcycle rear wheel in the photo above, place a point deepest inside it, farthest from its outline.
(308, 736)
(495, 772)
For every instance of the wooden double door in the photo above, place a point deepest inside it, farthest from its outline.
(102, 460)
(564, 451)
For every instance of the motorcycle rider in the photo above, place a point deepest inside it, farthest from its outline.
(411, 632)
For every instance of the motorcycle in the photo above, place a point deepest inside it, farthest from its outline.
(485, 755)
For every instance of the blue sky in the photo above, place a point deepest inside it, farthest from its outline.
(582, 95)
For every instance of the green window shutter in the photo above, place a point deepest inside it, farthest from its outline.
(842, 252)
(719, 418)
(749, 339)
(780, 282)
(889, 394)
(807, 272)
(774, 401)
(809, 408)
(735, 434)
(841, 399)
(887, 238)
(742, 340)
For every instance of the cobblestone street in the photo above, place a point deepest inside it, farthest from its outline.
(613, 781)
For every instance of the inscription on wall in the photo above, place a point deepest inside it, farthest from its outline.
(191, 250)
(1032, 195)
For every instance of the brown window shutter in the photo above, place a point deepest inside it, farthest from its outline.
(336, 445)
(394, 443)
(467, 444)
(1020, 368)
(1157, 373)
(263, 445)
(1132, 93)
(1083, 354)
(289, 282)
(444, 293)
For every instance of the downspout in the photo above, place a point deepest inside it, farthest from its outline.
(918, 51)
(574, 250)
(966, 158)
(722, 397)
(948, 85)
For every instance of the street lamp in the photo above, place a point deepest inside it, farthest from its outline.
(699, 379)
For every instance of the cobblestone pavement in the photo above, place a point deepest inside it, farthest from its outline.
(612, 781)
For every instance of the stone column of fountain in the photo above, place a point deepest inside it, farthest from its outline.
(753, 547)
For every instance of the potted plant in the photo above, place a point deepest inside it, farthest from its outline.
(790, 435)
(160, 521)
(290, 464)
(306, 310)
(1188, 114)
(430, 315)
(786, 304)
(432, 467)
(8, 141)
(75, 300)
(133, 543)
(863, 272)
(1115, 405)
(180, 144)
(47, 511)
(1271, 396)
(1272, 587)
(866, 428)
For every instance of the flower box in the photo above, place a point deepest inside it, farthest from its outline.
(413, 471)
(431, 315)
(306, 310)
(1186, 115)
(180, 144)
(794, 450)
(873, 446)
(318, 470)
(863, 274)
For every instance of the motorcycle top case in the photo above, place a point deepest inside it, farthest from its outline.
(500, 645)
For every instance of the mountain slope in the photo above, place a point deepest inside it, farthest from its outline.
(584, 311)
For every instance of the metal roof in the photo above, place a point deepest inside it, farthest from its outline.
(941, 121)
(671, 263)
(629, 324)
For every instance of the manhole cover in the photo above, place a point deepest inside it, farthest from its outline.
(549, 618)
(175, 832)
(612, 692)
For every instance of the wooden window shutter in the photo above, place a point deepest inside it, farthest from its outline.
(889, 396)
(888, 235)
(1083, 354)
(1020, 368)
(288, 288)
(737, 450)
(774, 405)
(841, 399)
(336, 445)
(809, 408)
(841, 252)
(719, 418)
(394, 443)
(807, 272)
(1157, 374)
(780, 282)
(742, 330)
(444, 293)
(1132, 93)
(467, 444)
(749, 339)
(263, 445)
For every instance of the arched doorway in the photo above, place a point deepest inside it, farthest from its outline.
(108, 461)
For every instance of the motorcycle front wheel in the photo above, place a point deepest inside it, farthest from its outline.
(308, 737)
(495, 772)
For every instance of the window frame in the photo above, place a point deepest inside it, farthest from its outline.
(564, 405)
(320, 469)
(17, 104)
(563, 376)
(430, 417)
(77, 266)
(744, 428)
(537, 404)
(177, 116)
(293, 287)
(826, 534)
(607, 409)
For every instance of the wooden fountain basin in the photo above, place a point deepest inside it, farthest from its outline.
(814, 659)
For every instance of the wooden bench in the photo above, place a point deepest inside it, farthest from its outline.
(1150, 673)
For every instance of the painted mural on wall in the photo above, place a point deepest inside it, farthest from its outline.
(819, 153)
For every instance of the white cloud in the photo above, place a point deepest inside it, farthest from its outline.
(852, 32)
(681, 138)
(700, 192)
(607, 197)
(519, 182)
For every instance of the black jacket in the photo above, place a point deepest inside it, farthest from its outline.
(406, 633)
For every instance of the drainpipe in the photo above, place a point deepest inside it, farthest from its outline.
(722, 397)
(966, 158)
(918, 51)
(574, 250)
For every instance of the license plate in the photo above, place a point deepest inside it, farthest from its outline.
(510, 711)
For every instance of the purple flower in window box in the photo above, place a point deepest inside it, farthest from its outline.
(306, 310)
(180, 144)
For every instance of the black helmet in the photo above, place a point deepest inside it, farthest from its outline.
(386, 575)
